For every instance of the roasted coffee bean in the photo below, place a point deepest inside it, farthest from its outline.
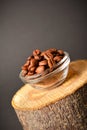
(39, 61)
(61, 52)
(50, 63)
(32, 69)
(33, 62)
(24, 67)
(37, 57)
(57, 58)
(40, 69)
(30, 73)
(49, 58)
(46, 56)
(50, 55)
(27, 63)
(36, 52)
(56, 54)
(30, 57)
(43, 62)
(52, 50)
(42, 54)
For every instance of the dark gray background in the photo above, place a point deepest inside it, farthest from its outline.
(27, 25)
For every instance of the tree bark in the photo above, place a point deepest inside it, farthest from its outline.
(62, 108)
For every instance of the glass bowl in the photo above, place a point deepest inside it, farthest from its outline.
(47, 80)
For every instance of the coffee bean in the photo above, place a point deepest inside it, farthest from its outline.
(50, 63)
(32, 69)
(46, 56)
(43, 62)
(24, 68)
(61, 52)
(36, 52)
(39, 61)
(57, 58)
(49, 58)
(40, 69)
(30, 73)
(33, 62)
(52, 50)
(30, 57)
(37, 57)
(27, 63)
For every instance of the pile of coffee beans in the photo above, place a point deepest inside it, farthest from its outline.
(39, 61)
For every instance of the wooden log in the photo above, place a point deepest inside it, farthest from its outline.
(62, 108)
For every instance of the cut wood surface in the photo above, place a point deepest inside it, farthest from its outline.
(29, 98)
(61, 108)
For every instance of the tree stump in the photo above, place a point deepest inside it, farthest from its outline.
(62, 108)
